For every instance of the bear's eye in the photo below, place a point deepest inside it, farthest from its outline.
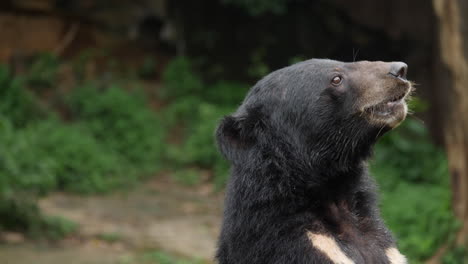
(337, 80)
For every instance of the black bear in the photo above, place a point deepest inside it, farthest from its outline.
(299, 190)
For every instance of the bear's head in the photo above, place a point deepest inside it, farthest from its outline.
(323, 112)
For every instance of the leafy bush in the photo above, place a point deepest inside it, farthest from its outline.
(198, 148)
(409, 150)
(19, 214)
(17, 103)
(181, 111)
(114, 138)
(43, 71)
(224, 96)
(458, 255)
(48, 156)
(180, 80)
(420, 216)
(110, 237)
(80, 163)
(195, 112)
(22, 214)
(23, 166)
(187, 177)
(159, 257)
(122, 121)
(56, 227)
(226, 93)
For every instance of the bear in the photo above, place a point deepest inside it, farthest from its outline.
(299, 189)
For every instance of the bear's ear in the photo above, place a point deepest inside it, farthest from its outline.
(236, 134)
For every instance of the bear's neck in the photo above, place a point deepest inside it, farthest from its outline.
(292, 186)
(328, 152)
(283, 170)
(297, 167)
(339, 153)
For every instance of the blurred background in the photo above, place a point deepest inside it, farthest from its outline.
(108, 108)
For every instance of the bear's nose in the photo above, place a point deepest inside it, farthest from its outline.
(398, 69)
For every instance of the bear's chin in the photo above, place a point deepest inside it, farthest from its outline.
(388, 114)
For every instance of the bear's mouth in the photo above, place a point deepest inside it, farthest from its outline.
(392, 110)
(388, 106)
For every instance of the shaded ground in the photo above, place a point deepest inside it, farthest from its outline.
(158, 215)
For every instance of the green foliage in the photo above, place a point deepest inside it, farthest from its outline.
(259, 7)
(187, 177)
(179, 80)
(110, 237)
(420, 216)
(43, 71)
(226, 93)
(195, 115)
(159, 257)
(180, 111)
(23, 166)
(56, 227)
(19, 213)
(17, 103)
(415, 193)
(418, 105)
(409, 151)
(80, 164)
(120, 120)
(114, 138)
(197, 146)
(458, 255)
(22, 214)
(48, 155)
(81, 61)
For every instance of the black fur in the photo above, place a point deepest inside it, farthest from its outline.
(298, 152)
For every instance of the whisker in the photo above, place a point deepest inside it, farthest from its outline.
(418, 119)
(355, 54)
(378, 133)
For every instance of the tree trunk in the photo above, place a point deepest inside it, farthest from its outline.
(453, 42)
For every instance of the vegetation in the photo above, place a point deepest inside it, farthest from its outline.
(121, 121)
(112, 140)
(455, 256)
(163, 258)
(193, 111)
(158, 257)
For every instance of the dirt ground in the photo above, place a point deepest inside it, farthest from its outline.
(157, 215)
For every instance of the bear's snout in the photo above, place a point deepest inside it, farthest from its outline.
(398, 70)
(384, 96)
